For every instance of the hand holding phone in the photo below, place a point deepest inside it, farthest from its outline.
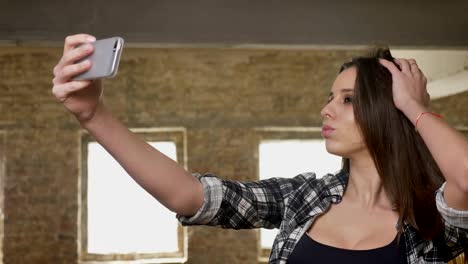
(105, 59)
(81, 98)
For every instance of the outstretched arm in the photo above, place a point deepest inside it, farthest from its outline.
(162, 177)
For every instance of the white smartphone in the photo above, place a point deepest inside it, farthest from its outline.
(105, 59)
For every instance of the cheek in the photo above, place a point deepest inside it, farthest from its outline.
(354, 131)
(352, 138)
(349, 139)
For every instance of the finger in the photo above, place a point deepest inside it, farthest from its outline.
(65, 73)
(74, 40)
(74, 55)
(62, 91)
(414, 67)
(390, 66)
(405, 67)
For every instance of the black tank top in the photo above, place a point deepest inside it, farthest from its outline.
(308, 251)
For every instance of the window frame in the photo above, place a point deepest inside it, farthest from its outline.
(178, 135)
(278, 133)
(3, 152)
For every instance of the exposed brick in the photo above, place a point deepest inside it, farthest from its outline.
(219, 95)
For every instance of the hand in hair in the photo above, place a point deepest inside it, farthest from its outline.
(409, 84)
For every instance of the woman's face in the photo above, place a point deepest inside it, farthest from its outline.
(345, 140)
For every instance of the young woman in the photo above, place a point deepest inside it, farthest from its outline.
(400, 197)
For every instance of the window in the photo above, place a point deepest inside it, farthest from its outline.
(287, 153)
(120, 220)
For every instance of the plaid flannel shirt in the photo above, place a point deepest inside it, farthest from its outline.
(291, 204)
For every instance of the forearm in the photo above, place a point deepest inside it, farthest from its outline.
(447, 145)
(159, 175)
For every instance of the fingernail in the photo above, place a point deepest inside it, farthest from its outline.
(91, 39)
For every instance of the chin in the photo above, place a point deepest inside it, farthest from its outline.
(337, 149)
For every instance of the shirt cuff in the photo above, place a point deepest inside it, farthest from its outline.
(213, 196)
(454, 217)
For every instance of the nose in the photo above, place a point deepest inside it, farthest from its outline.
(327, 111)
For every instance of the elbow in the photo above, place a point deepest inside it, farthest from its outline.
(189, 204)
(464, 182)
(189, 208)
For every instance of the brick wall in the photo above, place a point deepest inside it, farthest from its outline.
(2, 184)
(219, 95)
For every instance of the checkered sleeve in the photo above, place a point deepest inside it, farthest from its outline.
(213, 195)
(242, 205)
(456, 224)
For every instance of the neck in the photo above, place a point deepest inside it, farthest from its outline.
(365, 186)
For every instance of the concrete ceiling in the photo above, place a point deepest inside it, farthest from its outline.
(417, 23)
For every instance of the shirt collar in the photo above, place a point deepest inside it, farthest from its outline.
(337, 185)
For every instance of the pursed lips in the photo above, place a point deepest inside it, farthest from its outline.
(327, 130)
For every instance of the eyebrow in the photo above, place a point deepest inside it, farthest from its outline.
(342, 91)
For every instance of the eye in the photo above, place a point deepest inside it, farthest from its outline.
(348, 99)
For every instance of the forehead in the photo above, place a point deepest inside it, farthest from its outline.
(345, 80)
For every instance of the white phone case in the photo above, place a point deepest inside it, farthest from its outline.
(105, 59)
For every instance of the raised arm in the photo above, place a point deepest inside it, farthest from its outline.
(448, 146)
(163, 178)
(159, 175)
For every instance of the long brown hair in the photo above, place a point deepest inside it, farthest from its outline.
(407, 169)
